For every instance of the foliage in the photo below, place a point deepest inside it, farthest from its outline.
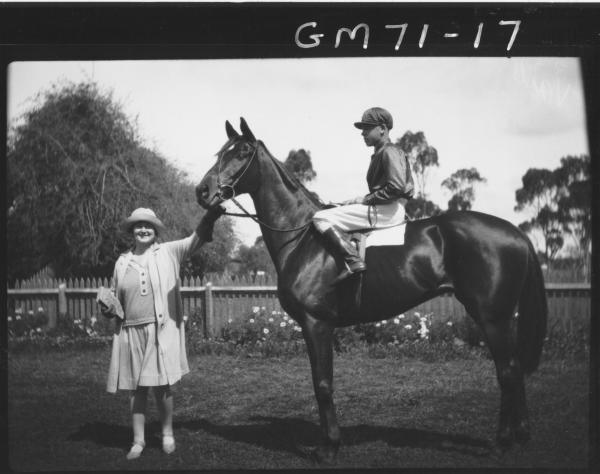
(28, 323)
(76, 169)
(265, 333)
(574, 206)
(420, 207)
(256, 258)
(300, 164)
(461, 185)
(422, 157)
(560, 202)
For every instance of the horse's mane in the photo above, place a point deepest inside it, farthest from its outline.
(291, 180)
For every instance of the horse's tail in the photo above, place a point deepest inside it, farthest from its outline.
(533, 315)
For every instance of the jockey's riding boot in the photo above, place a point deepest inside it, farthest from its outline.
(354, 264)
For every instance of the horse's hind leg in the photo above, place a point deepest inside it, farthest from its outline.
(319, 342)
(513, 424)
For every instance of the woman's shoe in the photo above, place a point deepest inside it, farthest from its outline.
(168, 444)
(136, 450)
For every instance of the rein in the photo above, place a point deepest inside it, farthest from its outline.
(226, 197)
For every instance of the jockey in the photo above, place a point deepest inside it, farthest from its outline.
(390, 187)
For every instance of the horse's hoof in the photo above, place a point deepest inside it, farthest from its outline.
(504, 439)
(324, 456)
(522, 433)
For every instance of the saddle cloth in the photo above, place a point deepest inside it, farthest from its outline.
(369, 238)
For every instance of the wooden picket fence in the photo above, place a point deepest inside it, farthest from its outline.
(217, 298)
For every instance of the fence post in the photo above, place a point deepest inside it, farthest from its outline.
(208, 311)
(62, 301)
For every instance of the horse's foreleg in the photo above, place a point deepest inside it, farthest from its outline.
(319, 342)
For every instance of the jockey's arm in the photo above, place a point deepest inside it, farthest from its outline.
(393, 186)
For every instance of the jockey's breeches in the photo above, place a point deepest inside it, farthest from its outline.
(353, 217)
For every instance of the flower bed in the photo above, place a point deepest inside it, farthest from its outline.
(262, 333)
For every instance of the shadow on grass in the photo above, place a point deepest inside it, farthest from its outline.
(300, 437)
(115, 436)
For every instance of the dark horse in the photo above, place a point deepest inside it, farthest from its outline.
(488, 263)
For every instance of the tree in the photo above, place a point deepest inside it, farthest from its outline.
(256, 258)
(460, 184)
(300, 164)
(558, 201)
(421, 155)
(574, 205)
(76, 168)
(419, 208)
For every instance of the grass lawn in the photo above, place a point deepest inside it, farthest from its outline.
(260, 413)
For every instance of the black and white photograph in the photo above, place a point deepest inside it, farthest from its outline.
(343, 241)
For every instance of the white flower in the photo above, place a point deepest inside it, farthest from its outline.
(9, 318)
(383, 323)
(282, 324)
(408, 326)
(263, 308)
(377, 325)
(481, 343)
(255, 309)
(417, 314)
(185, 318)
(19, 311)
(285, 317)
(18, 317)
(93, 319)
(230, 320)
(265, 330)
(297, 328)
(449, 323)
(396, 321)
(274, 312)
(40, 310)
(251, 320)
(30, 312)
(270, 320)
(39, 329)
(401, 316)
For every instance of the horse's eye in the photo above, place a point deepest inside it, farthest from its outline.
(247, 149)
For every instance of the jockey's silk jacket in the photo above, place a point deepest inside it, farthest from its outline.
(389, 177)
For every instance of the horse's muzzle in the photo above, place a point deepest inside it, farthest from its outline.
(202, 195)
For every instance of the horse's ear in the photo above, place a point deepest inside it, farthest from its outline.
(231, 133)
(246, 130)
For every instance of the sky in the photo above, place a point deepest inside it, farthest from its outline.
(499, 115)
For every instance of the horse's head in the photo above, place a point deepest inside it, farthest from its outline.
(234, 172)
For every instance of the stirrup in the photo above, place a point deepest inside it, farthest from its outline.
(347, 272)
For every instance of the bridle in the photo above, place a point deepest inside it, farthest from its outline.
(226, 192)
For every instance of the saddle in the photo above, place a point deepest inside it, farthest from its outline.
(377, 237)
(368, 238)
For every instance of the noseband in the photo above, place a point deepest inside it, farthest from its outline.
(226, 192)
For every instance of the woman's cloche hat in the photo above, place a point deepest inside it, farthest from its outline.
(142, 214)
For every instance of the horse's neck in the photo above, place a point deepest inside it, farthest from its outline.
(281, 206)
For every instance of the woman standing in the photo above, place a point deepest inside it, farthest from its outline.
(148, 347)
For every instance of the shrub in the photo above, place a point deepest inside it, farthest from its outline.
(262, 333)
(26, 323)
